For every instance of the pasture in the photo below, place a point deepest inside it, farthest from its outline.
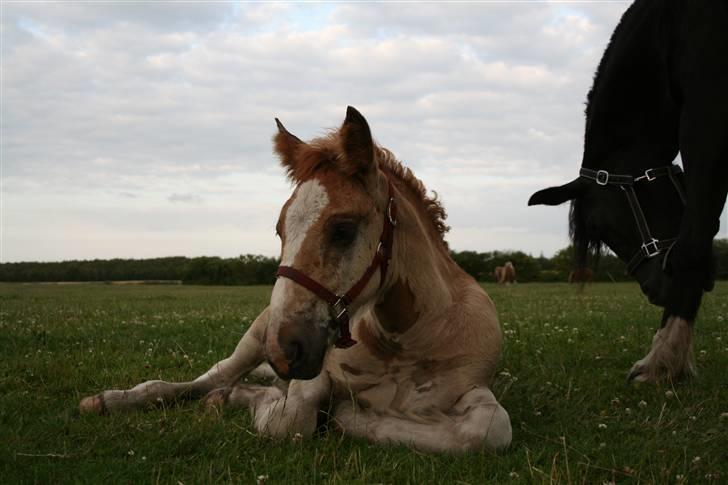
(562, 379)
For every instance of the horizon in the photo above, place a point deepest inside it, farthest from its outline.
(136, 131)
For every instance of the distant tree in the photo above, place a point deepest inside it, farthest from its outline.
(251, 269)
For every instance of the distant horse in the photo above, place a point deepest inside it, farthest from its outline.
(506, 274)
(661, 87)
(361, 243)
(581, 275)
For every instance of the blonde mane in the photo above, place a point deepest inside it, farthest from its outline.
(434, 209)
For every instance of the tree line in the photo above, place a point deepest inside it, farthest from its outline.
(252, 269)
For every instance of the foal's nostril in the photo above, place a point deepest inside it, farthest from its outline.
(294, 352)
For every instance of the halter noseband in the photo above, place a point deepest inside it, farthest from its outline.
(651, 247)
(338, 304)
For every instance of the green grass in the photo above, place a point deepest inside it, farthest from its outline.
(562, 381)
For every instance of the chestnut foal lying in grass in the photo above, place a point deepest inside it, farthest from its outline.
(361, 244)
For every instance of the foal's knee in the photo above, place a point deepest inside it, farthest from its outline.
(488, 426)
(499, 432)
(486, 422)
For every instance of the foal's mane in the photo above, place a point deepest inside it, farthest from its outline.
(432, 205)
(325, 153)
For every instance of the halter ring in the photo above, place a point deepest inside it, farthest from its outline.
(391, 217)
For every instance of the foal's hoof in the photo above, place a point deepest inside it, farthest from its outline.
(638, 373)
(92, 405)
(215, 400)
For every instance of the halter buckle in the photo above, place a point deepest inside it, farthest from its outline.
(602, 177)
(649, 176)
(340, 307)
(651, 249)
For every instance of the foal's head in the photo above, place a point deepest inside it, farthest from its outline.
(329, 229)
(601, 214)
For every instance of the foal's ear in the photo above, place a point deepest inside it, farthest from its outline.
(557, 195)
(356, 140)
(286, 145)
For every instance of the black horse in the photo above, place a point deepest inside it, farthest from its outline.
(660, 88)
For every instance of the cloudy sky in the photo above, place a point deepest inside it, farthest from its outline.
(143, 129)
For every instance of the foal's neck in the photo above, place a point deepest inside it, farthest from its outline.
(422, 278)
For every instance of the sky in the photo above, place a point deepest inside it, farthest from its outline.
(141, 130)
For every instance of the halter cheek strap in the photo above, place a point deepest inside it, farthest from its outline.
(339, 304)
(651, 246)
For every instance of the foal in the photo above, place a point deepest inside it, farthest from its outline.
(425, 338)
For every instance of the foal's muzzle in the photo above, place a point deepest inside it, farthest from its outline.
(300, 352)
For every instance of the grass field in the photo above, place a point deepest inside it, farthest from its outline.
(562, 380)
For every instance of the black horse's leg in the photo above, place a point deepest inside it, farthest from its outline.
(701, 71)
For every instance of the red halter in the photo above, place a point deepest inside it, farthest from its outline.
(339, 303)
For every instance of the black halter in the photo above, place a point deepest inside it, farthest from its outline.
(651, 247)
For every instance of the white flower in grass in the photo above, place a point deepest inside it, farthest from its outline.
(602, 426)
(627, 411)
(642, 404)
(514, 475)
(130, 452)
(297, 438)
(260, 479)
(679, 477)
(669, 394)
(696, 460)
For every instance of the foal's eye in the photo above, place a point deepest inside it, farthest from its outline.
(343, 233)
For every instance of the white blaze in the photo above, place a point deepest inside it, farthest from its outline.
(309, 202)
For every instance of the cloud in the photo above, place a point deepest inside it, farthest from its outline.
(175, 103)
(185, 198)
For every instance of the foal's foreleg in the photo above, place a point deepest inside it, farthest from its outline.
(247, 355)
(476, 420)
(277, 413)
